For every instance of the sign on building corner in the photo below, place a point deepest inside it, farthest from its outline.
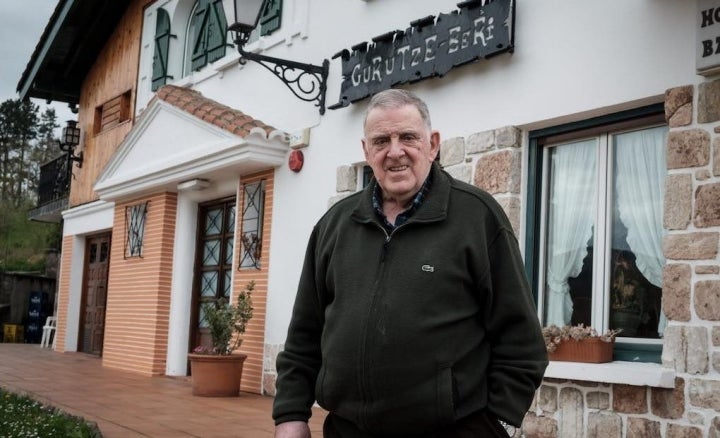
(707, 51)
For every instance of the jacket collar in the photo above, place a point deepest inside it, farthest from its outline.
(434, 207)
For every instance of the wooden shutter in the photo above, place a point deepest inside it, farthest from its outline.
(162, 45)
(112, 113)
(210, 29)
(216, 31)
(271, 17)
(198, 37)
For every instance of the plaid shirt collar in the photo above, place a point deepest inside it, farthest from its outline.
(405, 215)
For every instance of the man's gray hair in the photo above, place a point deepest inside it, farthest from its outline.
(396, 98)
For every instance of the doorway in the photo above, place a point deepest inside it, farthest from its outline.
(213, 263)
(92, 323)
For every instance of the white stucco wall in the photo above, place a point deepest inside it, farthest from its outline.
(572, 60)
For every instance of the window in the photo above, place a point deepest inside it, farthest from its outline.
(252, 218)
(162, 45)
(112, 113)
(135, 226)
(598, 224)
(206, 36)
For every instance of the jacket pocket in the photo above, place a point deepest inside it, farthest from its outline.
(445, 394)
(336, 389)
(319, 386)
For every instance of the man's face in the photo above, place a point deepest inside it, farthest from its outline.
(400, 150)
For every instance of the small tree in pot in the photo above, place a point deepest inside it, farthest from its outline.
(216, 370)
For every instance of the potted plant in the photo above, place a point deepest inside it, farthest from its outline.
(216, 370)
(579, 343)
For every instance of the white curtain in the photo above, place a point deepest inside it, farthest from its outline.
(640, 182)
(570, 223)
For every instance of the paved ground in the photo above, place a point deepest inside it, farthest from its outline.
(127, 405)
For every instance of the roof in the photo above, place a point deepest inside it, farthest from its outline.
(68, 47)
(222, 116)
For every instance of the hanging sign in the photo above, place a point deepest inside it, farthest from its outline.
(429, 47)
(707, 51)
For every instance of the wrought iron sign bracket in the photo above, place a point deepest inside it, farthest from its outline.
(69, 149)
(306, 81)
(76, 158)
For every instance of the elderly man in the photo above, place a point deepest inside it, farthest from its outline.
(413, 317)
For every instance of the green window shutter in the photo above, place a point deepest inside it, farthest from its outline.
(271, 17)
(198, 35)
(209, 29)
(162, 45)
(216, 31)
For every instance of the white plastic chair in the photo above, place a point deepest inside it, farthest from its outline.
(49, 332)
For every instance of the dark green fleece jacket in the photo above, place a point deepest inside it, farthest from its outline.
(405, 332)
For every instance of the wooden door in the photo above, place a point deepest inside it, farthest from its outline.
(97, 261)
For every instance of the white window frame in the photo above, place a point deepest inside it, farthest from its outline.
(602, 234)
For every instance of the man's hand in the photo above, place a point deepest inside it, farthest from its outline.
(292, 429)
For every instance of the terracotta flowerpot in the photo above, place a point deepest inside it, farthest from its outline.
(216, 376)
(591, 350)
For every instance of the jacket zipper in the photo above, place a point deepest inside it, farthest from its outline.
(364, 385)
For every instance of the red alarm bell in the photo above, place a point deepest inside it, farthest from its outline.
(296, 160)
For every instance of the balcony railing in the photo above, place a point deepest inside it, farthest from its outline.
(53, 190)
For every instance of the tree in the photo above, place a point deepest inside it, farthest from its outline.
(46, 147)
(26, 141)
(18, 127)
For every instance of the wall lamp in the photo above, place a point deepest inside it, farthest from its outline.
(308, 82)
(70, 139)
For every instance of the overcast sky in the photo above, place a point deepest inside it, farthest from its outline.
(21, 24)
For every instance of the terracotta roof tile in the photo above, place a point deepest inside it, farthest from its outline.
(222, 116)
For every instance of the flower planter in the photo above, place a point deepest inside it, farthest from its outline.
(216, 375)
(591, 350)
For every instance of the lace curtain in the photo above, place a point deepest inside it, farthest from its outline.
(640, 184)
(570, 223)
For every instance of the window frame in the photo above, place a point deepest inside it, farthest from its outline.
(641, 350)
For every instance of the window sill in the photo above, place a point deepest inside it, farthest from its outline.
(627, 373)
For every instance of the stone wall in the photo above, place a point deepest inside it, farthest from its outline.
(492, 161)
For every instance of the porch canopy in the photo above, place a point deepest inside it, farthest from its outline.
(183, 136)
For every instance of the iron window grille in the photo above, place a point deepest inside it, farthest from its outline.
(135, 216)
(252, 218)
